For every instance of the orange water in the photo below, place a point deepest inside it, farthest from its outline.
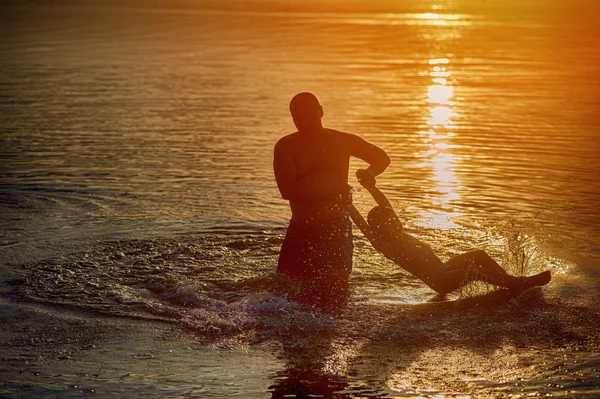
(147, 122)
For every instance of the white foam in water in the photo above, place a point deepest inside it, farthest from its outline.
(260, 312)
(193, 295)
(213, 323)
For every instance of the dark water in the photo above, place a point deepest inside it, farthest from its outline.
(136, 183)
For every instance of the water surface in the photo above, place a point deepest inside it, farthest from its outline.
(136, 182)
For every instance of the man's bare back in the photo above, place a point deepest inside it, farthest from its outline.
(320, 165)
(311, 169)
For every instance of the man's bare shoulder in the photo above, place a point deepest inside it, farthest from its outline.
(286, 141)
(348, 140)
(341, 136)
(339, 133)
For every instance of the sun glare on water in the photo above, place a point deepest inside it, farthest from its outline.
(439, 19)
(438, 157)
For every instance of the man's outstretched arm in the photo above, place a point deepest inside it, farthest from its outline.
(377, 158)
(317, 187)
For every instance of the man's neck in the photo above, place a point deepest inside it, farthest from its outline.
(314, 132)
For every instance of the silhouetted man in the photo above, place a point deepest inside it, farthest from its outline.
(311, 169)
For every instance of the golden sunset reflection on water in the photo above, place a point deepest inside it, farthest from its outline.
(138, 196)
(438, 157)
(439, 19)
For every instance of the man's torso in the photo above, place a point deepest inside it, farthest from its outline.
(327, 154)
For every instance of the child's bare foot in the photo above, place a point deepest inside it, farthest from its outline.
(536, 280)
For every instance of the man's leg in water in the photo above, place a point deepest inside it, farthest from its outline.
(479, 266)
(319, 257)
(332, 254)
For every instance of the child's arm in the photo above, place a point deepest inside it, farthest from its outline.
(363, 226)
(379, 197)
(367, 180)
(361, 223)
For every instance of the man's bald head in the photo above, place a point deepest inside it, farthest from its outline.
(303, 102)
(306, 112)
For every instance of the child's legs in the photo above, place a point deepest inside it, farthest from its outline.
(451, 280)
(473, 266)
(478, 259)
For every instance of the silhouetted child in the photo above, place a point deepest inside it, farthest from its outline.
(384, 231)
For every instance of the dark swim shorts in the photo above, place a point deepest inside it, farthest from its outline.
(320, 253)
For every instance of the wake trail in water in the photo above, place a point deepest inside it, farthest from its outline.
(224, 285)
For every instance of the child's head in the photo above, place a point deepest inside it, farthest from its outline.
(383, 220)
